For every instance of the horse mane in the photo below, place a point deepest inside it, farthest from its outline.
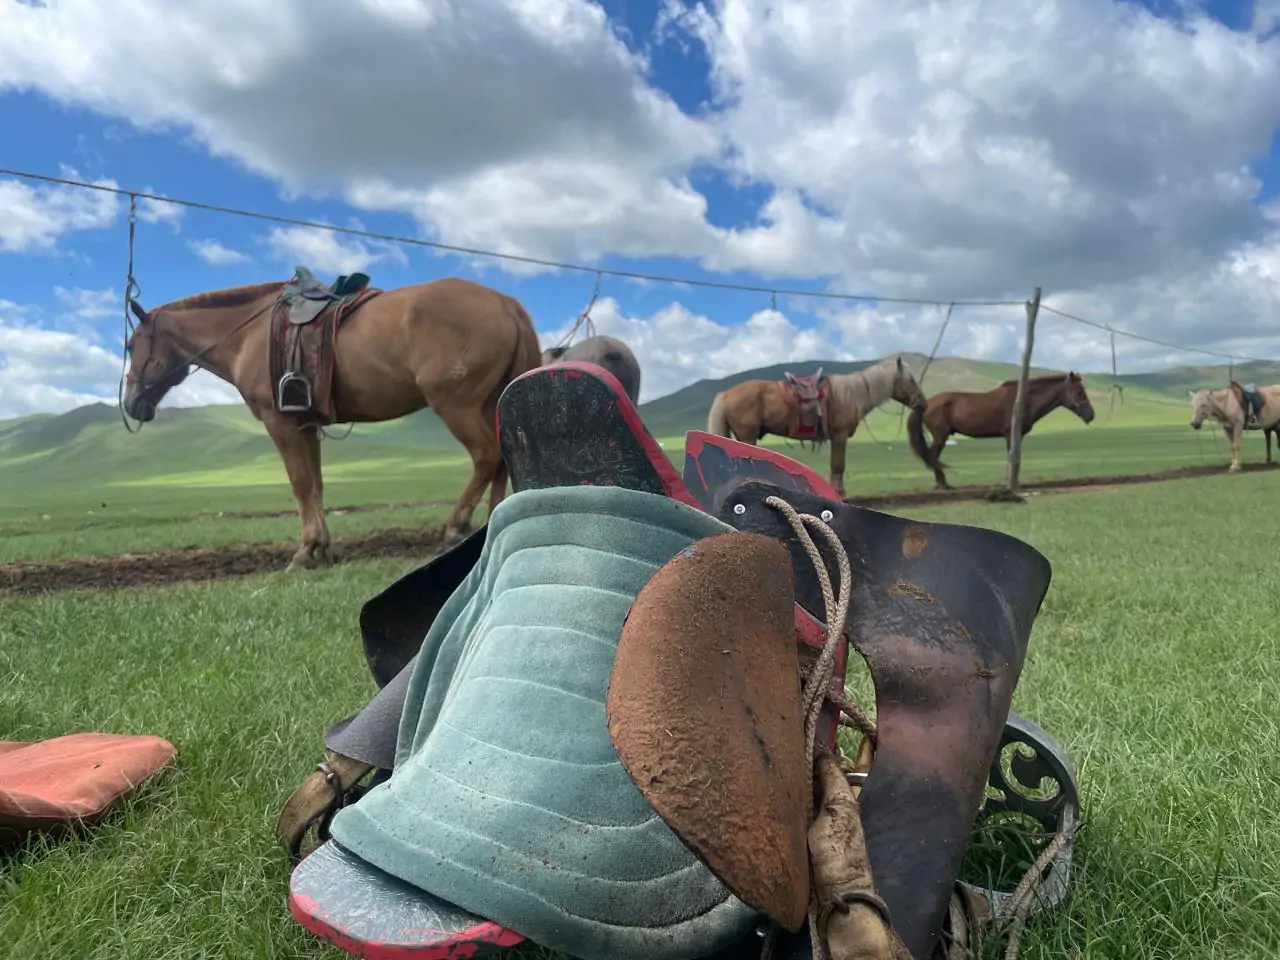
(1043, 379)
(852, 389)
(228, 297)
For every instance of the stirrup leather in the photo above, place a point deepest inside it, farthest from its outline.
(331, 786)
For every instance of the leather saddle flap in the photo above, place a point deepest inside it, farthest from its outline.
(942, 614)
(704, 710)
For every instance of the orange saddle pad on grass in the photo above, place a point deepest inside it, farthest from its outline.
(70, 779)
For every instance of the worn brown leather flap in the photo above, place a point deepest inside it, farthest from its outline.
(704, 710)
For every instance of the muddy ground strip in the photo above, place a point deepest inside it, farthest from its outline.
(164, 567)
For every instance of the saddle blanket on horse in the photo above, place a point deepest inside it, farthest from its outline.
(807, 399)
(508, 797)
(304, 333)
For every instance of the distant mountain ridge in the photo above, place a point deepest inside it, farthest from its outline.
(89, 441)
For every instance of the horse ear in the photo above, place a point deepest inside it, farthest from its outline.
(136, 309)
(789, 376)
(818, 375)
(899, 363)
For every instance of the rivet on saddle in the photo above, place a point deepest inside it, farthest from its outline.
(301, 349)
(600, 743)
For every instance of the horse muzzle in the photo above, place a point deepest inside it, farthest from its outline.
(139, 408)
(1195, 424)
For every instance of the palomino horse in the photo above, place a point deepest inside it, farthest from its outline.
(1224, 405)
(608, 352)
(450, 344)
(754, 408)
(987, 415)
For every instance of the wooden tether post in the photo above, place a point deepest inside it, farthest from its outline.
(1010, 491)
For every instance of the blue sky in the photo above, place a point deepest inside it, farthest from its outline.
(910, 157)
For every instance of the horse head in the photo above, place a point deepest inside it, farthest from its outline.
(905, 389)
(1201, 407)
(156, 365)
(808, 389)
(1076, 398)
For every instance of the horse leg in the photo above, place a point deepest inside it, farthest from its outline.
(497, 486)
(935, 452)
(1235, 435)
(472, 429)
(839, 443)
(300, 451)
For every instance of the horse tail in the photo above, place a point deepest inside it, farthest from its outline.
(717, 420)
(915, 435)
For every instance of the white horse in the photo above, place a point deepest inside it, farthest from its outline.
(1225, 406)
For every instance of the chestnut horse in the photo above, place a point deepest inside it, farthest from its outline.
(1224, 406)
(754, 408)
(987, 415)
(450, 344)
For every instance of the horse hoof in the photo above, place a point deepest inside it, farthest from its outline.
(311, 558)
(454, 534)
(1234, 468)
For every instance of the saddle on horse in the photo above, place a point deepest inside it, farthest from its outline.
(1250, 401)
(302, 350)
(807, 398)
(610, 725)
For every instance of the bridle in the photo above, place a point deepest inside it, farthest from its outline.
(170, 374)
(1068, 401)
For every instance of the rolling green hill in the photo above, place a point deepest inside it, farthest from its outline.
(87, 449)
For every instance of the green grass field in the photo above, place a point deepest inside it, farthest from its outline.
(203, 507)
(1155, 661)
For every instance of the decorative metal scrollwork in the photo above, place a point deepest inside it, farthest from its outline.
(1018, 799)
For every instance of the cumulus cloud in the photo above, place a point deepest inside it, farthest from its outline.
(34, 217)
(675, 346)
(89, 304)
(214, 253)
(157, 211)
(1266, 16)
(48, 370)
(327, 252)
(431, 106)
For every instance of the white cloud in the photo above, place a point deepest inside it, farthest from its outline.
(675, 346)
(32, 218)
(89, 304)
(920, 146)
(323, 251)
(156, 211)
(50, 370)
(456, 111)
(1266, 16)
(214, 253)
(45, 370)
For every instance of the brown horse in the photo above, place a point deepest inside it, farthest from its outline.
(450, 344)
(986, 415)
(754, 408)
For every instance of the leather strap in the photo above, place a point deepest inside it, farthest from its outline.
(321, 795)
